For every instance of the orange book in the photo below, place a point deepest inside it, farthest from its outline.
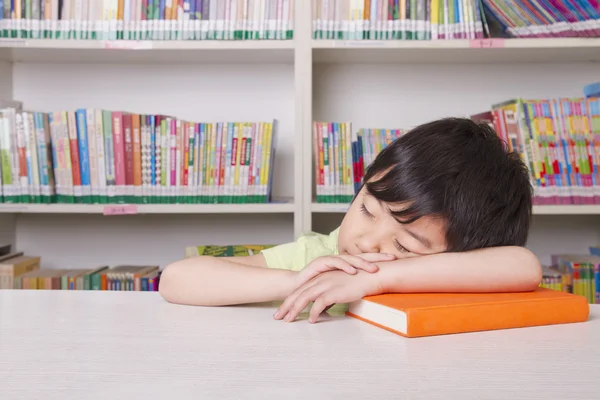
(429, 314)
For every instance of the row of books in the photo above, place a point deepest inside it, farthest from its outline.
(94, 156)
(578, 274)
(147, 19)
(559, 140)
(20, 271)
(544, 18)
(397, 20)
(342, 155)
(458, 19)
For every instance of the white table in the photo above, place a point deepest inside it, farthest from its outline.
(134, 345)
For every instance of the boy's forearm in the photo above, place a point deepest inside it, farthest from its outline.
(213, 281)
(500, 269)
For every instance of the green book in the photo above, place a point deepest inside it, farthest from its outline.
(224, 251)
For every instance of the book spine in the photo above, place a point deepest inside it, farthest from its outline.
(128, 145)
(90, 119)
(83, 153)
(137, 157)
(119, 157)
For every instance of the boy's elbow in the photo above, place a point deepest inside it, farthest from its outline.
(531, 268)
(168, 281)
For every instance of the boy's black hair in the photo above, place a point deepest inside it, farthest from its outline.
(459, 170)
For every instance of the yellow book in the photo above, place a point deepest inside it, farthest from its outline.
(225, 251)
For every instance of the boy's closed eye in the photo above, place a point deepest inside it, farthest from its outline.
(399, 247)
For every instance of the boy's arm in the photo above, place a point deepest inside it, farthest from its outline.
(499, 269)
(495, 269)
(216, 281)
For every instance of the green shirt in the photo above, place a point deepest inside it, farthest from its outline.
(296, 255)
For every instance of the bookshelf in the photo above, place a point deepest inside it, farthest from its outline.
(118, 209)
(537, 210)
(146, 51)
(486, 51)
(395, 84)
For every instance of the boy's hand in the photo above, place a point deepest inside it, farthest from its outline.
(326, 290)
(347, 263)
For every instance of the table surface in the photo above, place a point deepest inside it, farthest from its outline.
(130, 345)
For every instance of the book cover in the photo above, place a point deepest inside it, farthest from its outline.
(428, 314)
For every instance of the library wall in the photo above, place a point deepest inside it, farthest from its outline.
(7, 229)
(401, 96)
(85, 241)
(199, 92)
(5, 81)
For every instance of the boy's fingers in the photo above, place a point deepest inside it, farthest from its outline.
(360, 263)
(377, 257)
(320, 304)
(290, 300)
(302, 301)
(341, 264)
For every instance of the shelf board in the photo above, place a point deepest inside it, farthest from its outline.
(458, 51)
(537, 210)
(329, 208)
(567, 210)
(147, 52)
(270, 208)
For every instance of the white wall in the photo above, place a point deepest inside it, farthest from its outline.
(404, 95)
(82, 241)
(5, 81)
(401, 96)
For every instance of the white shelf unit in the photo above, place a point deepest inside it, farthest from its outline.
(395, 84)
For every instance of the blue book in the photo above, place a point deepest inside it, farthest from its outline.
(84, 154)
(161, 18)
(152, 124)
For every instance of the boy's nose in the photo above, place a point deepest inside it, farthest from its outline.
(367, 245)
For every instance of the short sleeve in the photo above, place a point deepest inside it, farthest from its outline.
(295, 255)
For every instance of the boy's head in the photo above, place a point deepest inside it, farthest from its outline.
(446, 186)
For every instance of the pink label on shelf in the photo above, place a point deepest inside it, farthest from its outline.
(475, 43)
(495, 43)
(120, 210)
(127, 45)
(486, 43)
